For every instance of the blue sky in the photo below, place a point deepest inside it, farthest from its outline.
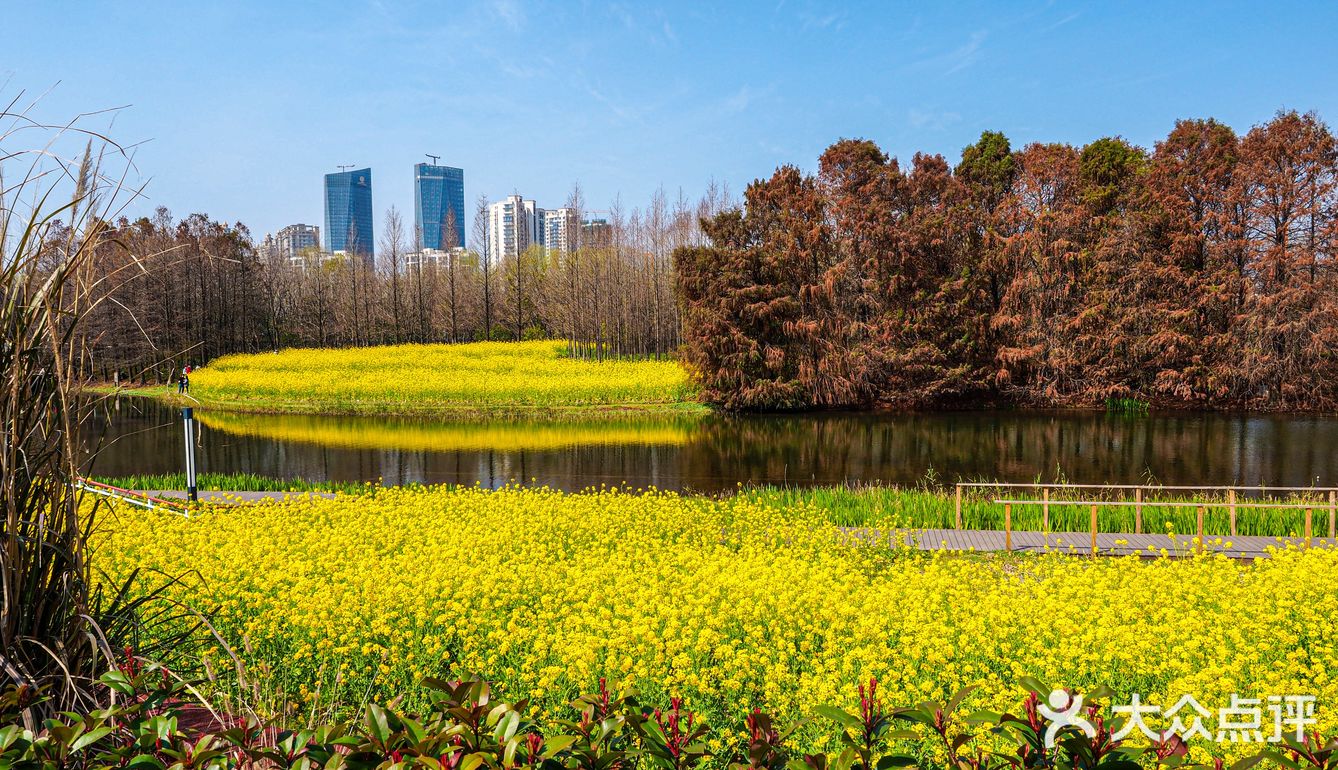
(246, 103)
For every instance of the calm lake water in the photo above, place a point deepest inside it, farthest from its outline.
(717, 452)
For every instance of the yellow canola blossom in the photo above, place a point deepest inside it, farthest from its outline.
(482, 375)
(412, 435)
(731, 603)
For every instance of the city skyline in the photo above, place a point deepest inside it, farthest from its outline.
(438, 194)
(439, 191)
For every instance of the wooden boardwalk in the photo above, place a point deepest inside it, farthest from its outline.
(1080, 543)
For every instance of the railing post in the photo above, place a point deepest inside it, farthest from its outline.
(958, 519)
(1309, 524)
(1199, 527)
(1008, 526)
(1094, 530)
(1231, 509)
(1333, 514)
(1138, 511)
(1045, 509)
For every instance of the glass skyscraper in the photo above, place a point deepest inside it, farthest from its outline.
(348, 213)
(439, 192)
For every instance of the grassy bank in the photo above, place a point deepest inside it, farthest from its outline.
(486, 379)
(724, 602)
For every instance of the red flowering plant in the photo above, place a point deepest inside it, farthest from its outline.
(1312, 752)
(766, 744)
(865, 735)
(672, 740)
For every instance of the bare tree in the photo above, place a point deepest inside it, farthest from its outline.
(449, 240)
(392, 251)
(486, 260)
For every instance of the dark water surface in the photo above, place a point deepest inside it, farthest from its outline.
(717, 452)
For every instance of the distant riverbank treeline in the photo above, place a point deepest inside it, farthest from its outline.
(198, 290)
(1200, 273)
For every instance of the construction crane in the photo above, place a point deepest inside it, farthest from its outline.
(347, 167)
(434, 158)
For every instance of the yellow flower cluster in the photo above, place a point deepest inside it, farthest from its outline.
(484, 375)
(728, 602)
(414, 435)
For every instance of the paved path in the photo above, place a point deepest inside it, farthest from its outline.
(1243, 547)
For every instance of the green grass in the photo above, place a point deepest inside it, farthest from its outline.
(231, 482)
(928, 508)
(1127, 406)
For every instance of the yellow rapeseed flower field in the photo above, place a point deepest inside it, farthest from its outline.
(730, 603)
(484, 376)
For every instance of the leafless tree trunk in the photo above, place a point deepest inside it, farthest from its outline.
(392, 251)
(486, 259)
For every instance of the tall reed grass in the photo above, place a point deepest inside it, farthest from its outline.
(58, 626)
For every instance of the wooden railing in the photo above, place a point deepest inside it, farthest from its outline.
(130, 496)
(1226, 497)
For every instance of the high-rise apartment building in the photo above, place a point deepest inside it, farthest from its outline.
(348, 213)
(442, 259)
(292, 244)
(295, 241)
(596, 234)
(438, 206)
(514, 224)
(560, 233)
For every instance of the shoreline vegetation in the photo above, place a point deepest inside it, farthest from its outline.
(1190, 272)
(457, 412)
(533, 380)
(873, 506)
(679, 398)
(690, 408)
